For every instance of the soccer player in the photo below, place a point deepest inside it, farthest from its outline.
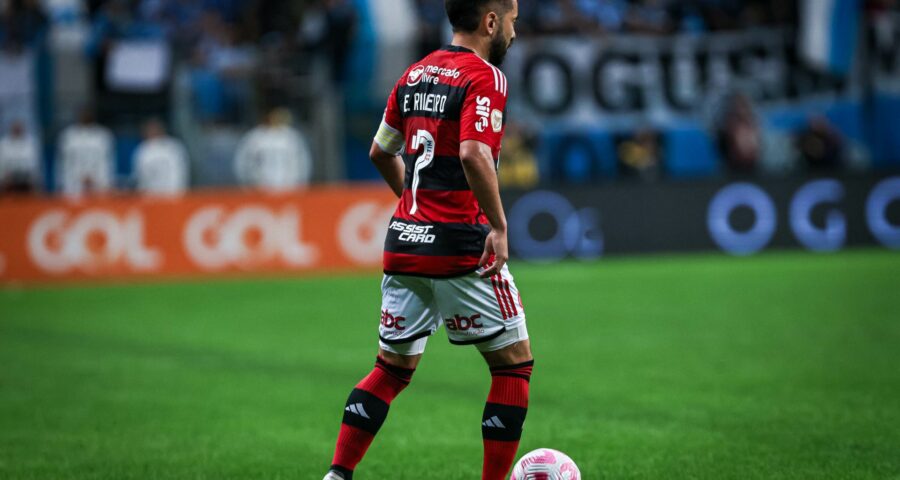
(446, 249)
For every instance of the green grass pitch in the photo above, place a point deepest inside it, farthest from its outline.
(780, 366)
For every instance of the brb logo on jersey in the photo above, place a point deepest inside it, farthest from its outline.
(389, 321)
(460, 323)
(483, 111)
(497, 120)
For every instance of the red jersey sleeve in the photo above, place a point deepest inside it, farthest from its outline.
(483, 108)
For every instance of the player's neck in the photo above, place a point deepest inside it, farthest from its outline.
(469, 41)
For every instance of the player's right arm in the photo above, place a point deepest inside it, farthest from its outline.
(481, 129)
(478, 164)
(388, 143)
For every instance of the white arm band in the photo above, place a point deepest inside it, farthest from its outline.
(389, 139)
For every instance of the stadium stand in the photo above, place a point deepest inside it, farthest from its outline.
(211, 69)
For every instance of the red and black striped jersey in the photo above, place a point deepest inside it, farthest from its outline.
(452, 95)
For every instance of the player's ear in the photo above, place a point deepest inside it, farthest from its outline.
(491, 22)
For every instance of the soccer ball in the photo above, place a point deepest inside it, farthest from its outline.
(545, 464)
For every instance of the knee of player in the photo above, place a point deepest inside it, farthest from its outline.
(402, 361)
(515, 354)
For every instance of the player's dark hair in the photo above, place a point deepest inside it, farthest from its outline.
(464, 15)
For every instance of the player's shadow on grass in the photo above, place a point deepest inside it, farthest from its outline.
(212, 359)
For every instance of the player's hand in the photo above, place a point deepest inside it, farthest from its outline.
(496, 248)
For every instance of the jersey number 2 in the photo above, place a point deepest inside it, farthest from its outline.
(424, 139)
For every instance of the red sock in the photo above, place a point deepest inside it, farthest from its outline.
(504, 415)
(365, 412)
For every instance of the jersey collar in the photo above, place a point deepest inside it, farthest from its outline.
(457, 49)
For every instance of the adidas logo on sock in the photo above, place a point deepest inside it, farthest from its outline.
(358, 409)
(493, 422)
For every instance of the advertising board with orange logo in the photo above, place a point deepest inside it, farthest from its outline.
(316, 230)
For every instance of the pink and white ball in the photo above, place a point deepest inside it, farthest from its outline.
(545, 464)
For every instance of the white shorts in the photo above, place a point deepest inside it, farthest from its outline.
(485, 312)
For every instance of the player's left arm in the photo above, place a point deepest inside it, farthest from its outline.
(387, 145)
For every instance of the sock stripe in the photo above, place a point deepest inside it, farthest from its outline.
(503, 418)
(400, 373)
(525, 377)
(522, 371)
(404, 381)
(386, 381)
(365, 411)
(502, 422)
(499, 368)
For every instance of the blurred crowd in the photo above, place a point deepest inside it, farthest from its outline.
(239, 58)
(162, 70)
(272, 156)
(656, 17)
(602, 17)
(746, 148)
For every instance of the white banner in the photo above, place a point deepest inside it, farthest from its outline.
(624, 80)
